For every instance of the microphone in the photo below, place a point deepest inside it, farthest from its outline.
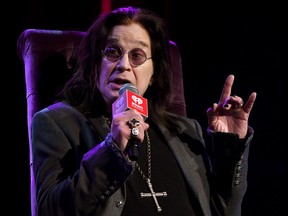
(129, 98)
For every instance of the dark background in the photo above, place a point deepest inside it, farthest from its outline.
(215, 40)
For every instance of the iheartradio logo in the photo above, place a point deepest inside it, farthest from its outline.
(137, 100)
(130, 100)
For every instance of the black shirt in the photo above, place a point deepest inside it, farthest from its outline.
(166, 177)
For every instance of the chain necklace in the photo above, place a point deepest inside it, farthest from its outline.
(147, 178)
(149, 160)
(108, 121)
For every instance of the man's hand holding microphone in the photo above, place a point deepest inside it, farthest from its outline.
(129, 113)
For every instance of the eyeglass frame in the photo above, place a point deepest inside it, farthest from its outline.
(118, 48)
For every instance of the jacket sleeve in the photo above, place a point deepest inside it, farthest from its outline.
(229, 160)
(72, 176)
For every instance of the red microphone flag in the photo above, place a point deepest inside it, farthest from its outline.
(131, 100)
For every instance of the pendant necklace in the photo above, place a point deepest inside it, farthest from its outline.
(147, 179)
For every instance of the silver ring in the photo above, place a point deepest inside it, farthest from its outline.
(238, 106)
(135, 132)
(133, 123)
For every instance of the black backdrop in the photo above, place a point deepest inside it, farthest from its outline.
(250, 43)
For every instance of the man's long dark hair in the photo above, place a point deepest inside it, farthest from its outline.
(81, 90)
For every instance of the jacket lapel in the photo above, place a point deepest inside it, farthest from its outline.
(186, 160)
(100, 126)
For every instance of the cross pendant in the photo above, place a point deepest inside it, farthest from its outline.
(154, 195)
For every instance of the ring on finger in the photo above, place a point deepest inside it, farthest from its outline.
(134, 132)
(238, 106)
(132, 123)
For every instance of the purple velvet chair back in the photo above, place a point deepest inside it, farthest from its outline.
(47, 58)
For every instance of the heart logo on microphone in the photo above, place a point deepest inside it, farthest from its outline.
(137, 100)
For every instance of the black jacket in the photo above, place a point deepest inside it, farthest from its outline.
(73, 161)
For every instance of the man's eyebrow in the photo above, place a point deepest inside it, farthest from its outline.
(113, 40)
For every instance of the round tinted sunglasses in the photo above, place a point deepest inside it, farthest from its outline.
(136, 56)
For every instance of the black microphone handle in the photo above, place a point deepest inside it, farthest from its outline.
(133, 149)
(133, 144)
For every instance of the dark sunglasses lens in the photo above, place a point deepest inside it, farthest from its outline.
(137, 56)
(113, 53)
